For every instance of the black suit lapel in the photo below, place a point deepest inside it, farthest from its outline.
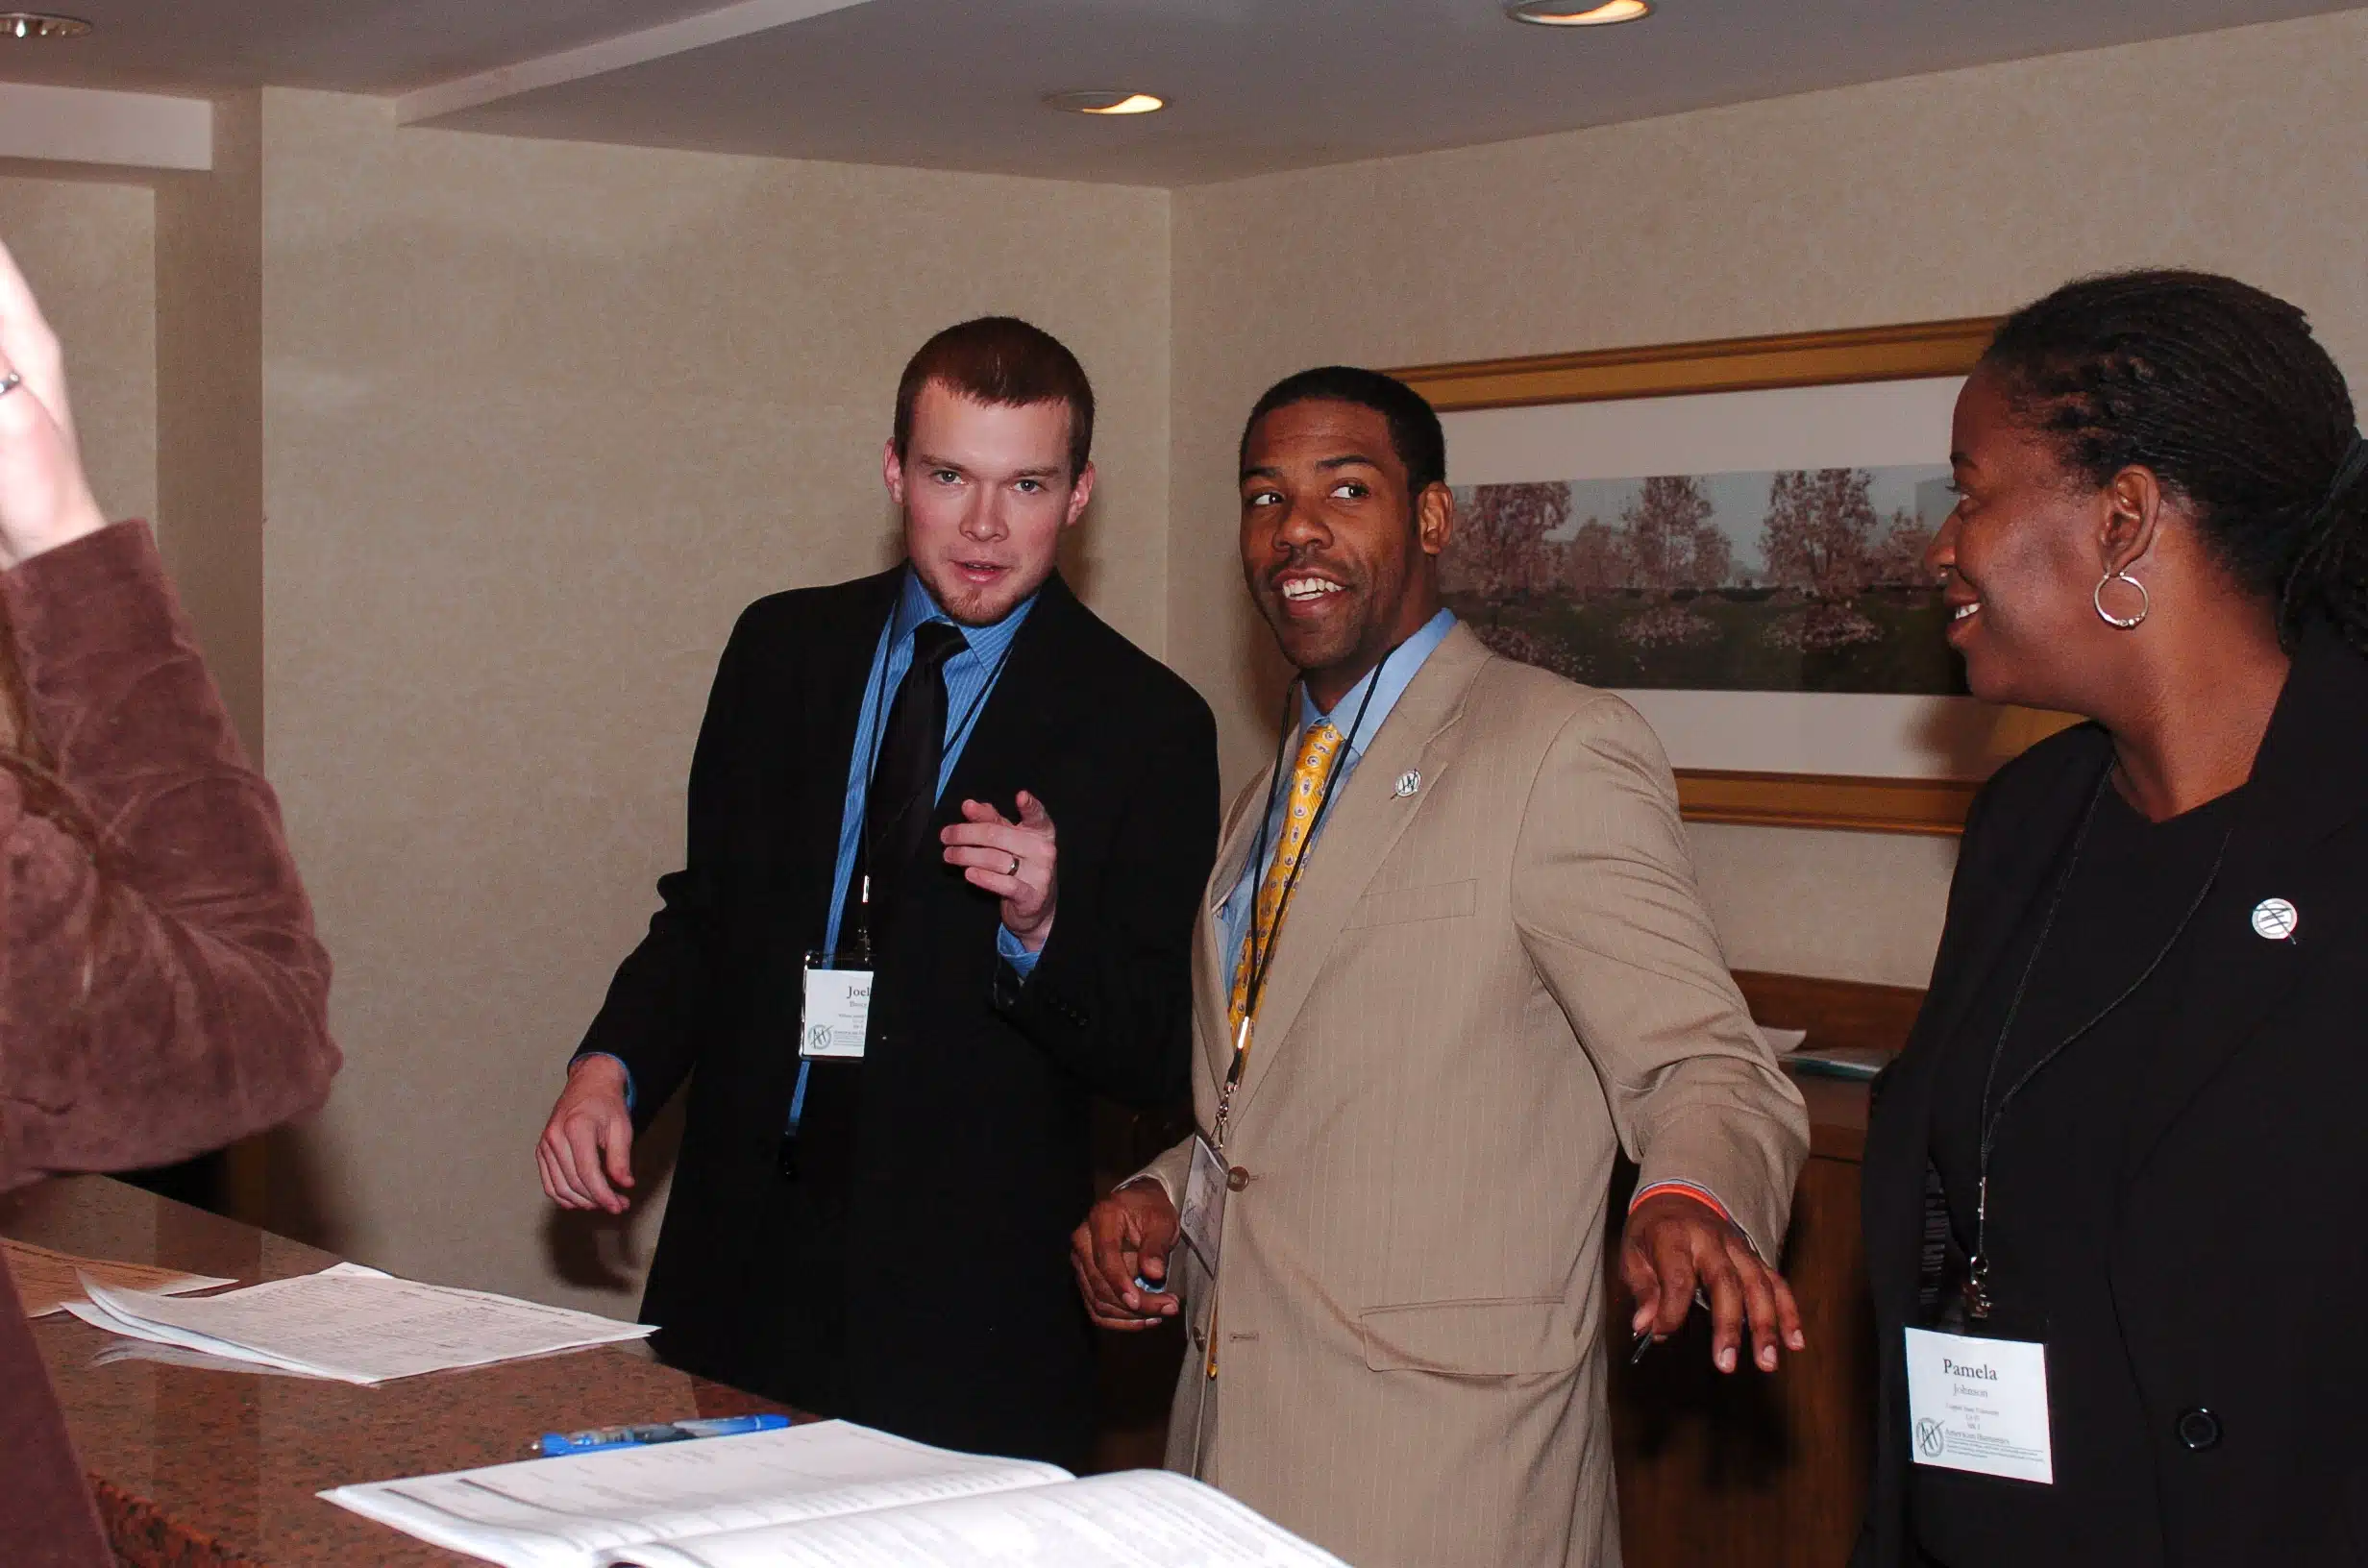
(2308, 782)
(1998, 896)
(1023, 714)
(2016, 875)
(833, 675)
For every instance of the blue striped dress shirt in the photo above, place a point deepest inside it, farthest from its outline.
(969, 678)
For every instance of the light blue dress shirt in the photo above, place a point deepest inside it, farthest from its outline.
(1394, 677)
(969, 678)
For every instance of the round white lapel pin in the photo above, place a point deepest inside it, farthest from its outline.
(2276, 920)
(1408, 782)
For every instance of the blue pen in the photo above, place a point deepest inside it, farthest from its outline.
(557, 1443)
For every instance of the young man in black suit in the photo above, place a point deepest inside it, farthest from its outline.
(956, 768)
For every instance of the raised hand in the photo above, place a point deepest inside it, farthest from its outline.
(45, 499)
(1017, 862)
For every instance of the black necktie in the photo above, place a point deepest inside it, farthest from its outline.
(896, 810)
(903, 794)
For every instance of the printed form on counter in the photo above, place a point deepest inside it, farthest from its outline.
(829, 1495)
(352, 1324)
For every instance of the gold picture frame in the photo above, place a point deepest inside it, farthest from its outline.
(1749, 364)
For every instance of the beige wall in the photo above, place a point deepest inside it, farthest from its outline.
(209, 400)
(89, 250)
(153, 284)
(540, 418)
(537, 418)
(1959, 194)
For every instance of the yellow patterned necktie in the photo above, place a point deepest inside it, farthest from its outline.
(1317, 750)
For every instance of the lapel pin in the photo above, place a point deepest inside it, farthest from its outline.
(2276, 920)
(1408, 782)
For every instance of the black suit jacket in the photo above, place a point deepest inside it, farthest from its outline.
(930, 1292)
(2239, 1264)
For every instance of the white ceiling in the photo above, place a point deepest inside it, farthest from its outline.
(372, 46)
(1254, 85)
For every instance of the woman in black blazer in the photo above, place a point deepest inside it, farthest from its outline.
(2125, 1143)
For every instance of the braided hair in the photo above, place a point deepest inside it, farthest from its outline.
(2223, 393)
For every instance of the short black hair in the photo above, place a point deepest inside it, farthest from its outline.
(1414, 432)
(2222, 391)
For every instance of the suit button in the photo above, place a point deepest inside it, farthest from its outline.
(1200, 1337)
(1237, 1179)
(2198, 1430)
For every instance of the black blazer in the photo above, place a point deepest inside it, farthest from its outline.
(942, 1266)
(2239, 1264)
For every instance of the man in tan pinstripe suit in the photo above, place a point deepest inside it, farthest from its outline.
(1453, 960)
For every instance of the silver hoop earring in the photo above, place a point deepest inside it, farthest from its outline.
(2124, 622)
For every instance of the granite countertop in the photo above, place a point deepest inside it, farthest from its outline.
(205, 1469)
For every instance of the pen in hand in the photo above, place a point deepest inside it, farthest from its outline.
(1643, 1340)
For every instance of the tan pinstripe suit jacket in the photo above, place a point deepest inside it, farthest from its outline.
(1483, 990)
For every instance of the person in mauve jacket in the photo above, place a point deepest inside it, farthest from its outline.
(162, 992)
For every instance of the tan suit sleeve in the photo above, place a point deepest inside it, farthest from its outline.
(1605, 898)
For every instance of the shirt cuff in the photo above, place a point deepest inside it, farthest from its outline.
(1015, 953)
(1154, 1177)
(621, 1067)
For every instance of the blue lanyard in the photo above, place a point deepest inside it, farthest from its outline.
(875, 700)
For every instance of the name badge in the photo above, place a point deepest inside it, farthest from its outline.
(837, 1013)
(1203, 1218)
(1978, 1405)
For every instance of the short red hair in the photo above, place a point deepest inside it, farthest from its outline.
(1007, 362)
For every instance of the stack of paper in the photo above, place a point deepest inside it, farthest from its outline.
(830, 1495)
(122, 1352)
(46, 1281)
(351, 1323)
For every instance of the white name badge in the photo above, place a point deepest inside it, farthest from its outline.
(1978, 1405)
(837, 1013)
(1203, 1218)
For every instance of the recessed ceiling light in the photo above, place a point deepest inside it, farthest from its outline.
(1578, 12)
(1105, 103)
(36, 24)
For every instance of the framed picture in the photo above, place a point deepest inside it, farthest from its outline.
(1731, 535)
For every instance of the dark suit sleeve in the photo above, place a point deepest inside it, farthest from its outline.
(1882, 1541)
(654, 1016)
(1111, 996)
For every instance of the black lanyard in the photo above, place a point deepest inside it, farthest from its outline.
(1978, 1303)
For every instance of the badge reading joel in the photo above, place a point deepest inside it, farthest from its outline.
(837, 1013)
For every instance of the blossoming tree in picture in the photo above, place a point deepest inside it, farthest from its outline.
(1794, 580)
